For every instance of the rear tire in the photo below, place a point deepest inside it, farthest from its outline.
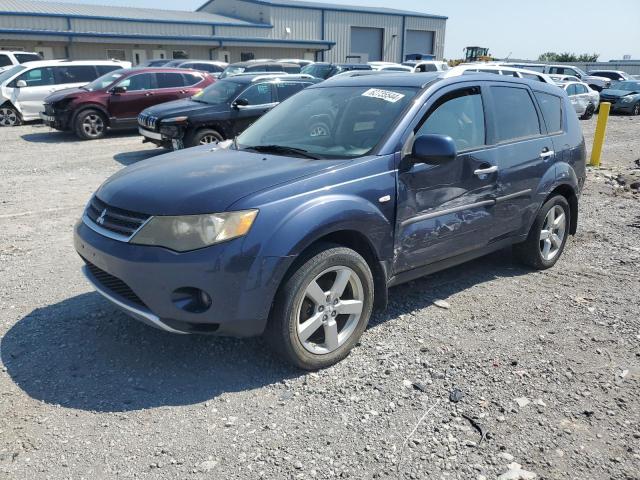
(322, 308)
(9, 116)
(90, 125)
(636, 109)
(548, 235)
(588, 113)
(204, 136)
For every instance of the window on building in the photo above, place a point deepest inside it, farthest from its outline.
(551, 107)
(116, 54)
(515, 114)
(179, 54)
(460, 115)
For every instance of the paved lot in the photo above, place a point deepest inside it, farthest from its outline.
(549, 363)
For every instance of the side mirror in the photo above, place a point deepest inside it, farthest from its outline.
(433, 149)
(240, 102)
(21, 84)
(118, 90)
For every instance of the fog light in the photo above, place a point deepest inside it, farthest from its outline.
(190, 299)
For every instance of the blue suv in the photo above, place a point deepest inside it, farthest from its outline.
(297, 228)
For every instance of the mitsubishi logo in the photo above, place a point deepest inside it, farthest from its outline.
(100, 219)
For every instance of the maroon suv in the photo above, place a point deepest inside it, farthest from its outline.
(114, 100)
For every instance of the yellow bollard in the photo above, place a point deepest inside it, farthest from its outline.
(601, 131)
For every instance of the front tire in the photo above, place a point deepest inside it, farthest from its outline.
(204, 136)
(9, 116)
(548, 235)
(322, 309)
(90, 125)
(636, 109)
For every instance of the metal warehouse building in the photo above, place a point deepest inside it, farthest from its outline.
(228, 30)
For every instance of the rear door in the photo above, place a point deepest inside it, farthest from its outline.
(170, 86)
(446, 210)
(260, 98)
(523, 152)
(140, 94)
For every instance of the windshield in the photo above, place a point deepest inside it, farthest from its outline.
(330, 122)
(27, 57)
(104, 81)
(231, 71)
(318, 71)
(7, 74)
(220, 92)
(626, 86)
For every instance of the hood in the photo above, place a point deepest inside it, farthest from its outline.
(64, 94)
(201, 180)
(610, 92)
(183, 107)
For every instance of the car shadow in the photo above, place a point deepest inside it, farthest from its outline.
(55, 136)
(83, 353)
(128, 158)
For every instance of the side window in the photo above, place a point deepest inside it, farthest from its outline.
(488, 70)
(169, 80)
(427, 67)
(207, 67)
(292, 69)
(75, 74)
(143, 81)
(551, 107)
(38, 77)
(258, 94)
(286, 89)
(5, 60)
(104, 69)
(571, 90)
(580, 89)
(515, 114)
(459, 115)
(191, 79)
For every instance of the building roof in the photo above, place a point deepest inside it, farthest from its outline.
(105, 12)
(335, 7)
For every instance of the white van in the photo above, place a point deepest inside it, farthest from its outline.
(24, 87)
(9, 58)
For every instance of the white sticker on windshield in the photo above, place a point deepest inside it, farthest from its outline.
(386, 95)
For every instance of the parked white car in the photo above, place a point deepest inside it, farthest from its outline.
(23, 88)
(470, 68)
(584, 99)
(595, 82)
(564, 78)
(389, 66)
(427, 65)
(10, 58)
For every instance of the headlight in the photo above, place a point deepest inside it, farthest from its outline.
(174, 120)
(191, 232)
(628, 99)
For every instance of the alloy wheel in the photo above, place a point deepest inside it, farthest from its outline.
(207, 139)
(553, 232)
(93, 125)
(8, 117)
(330, 310)
(636, 109)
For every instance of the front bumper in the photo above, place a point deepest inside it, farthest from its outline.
(57, 121)
(620, 107)
(161, 139)
(241, 287)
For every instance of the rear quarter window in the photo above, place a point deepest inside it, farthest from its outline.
(515, 114)
(551, 107)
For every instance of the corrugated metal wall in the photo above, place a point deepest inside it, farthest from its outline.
(141, 28)
(436, 25)
(35, 23)
(338, 29)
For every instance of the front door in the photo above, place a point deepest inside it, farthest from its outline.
(260, 99)
(35, 85)
(139, 57)
(446, 210)
(140, 93)
(159, 54)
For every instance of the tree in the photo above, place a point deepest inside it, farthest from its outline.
(568, 57)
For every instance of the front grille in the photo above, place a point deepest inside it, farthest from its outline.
(113, 284)
(147, 121)
(48, 109)
(117, 220)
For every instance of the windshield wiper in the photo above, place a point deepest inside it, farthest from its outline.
(282, 149)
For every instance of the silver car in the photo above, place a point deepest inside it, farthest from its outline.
(584, 99)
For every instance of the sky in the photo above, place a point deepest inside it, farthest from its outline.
(515, 28)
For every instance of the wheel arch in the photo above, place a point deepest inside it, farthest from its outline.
(9, 103)
(90, 106)
(569, 193)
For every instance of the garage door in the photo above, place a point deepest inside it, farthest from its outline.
(367, 42)
(418, 41)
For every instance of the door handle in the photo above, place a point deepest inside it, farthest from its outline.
(148, 94)
(485, 171)
(546, 153)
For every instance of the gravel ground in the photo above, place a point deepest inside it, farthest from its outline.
(547, 364)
